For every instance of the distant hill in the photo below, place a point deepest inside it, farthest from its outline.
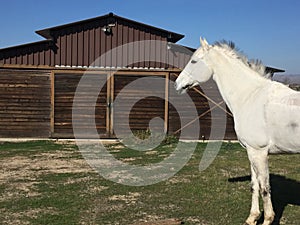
(287, 79)
(293, 81)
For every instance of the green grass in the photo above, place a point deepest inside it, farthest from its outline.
(45, 189)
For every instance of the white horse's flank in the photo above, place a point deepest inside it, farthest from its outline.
(266, 113)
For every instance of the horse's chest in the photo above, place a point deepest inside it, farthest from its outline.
(250, 126)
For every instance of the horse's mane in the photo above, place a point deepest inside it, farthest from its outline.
(254, 64)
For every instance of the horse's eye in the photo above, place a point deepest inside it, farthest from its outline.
(193, 61)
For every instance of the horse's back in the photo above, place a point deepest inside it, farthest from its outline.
(283, 119)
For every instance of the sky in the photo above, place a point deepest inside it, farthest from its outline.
(268, 30)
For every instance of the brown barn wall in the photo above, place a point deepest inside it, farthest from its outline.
(65, 88)
(81, 46)
(205, 115)
(24, 103)
(35, 54)
(143, 111)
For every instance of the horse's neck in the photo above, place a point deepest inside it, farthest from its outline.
(236, 82)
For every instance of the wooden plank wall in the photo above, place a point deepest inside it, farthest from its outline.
(30, 108)
(204, 112)
(24, 103)
(148, 108)
(143, 111)
(65, 88)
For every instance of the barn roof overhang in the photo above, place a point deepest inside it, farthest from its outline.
(109, 18)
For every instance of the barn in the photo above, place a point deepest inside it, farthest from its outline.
(38, 80)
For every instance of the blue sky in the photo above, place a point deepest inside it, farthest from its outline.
(267, 30)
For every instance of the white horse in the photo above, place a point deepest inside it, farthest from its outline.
(266, 113)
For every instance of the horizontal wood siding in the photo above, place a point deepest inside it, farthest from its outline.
(24, 103)
(201, 105)
(65, 88)
(204, 111)
(138, 116)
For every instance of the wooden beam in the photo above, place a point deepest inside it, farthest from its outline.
(52, 100)
(141, 73)
(21, 66)
(109, 101)
(166, 116)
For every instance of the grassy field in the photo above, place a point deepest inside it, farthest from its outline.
(45, 182)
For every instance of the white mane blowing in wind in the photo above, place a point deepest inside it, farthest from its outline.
(254, 64)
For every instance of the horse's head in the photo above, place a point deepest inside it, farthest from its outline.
(196, 71)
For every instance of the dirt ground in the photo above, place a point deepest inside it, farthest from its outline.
(20, 173)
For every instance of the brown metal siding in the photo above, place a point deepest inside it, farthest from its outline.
(40, 53)
(24, 103)
(177, 55)
(81, 44)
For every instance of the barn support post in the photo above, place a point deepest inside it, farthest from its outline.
(166, 116)
(52, 95)
(110, 100)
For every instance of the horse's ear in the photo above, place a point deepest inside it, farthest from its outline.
(204, 43)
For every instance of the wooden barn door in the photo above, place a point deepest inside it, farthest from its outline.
(137, 117)
(106, 112)
(65, 84)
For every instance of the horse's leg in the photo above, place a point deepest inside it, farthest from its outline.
(254, 212)
(265, 190)
(259, 165)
